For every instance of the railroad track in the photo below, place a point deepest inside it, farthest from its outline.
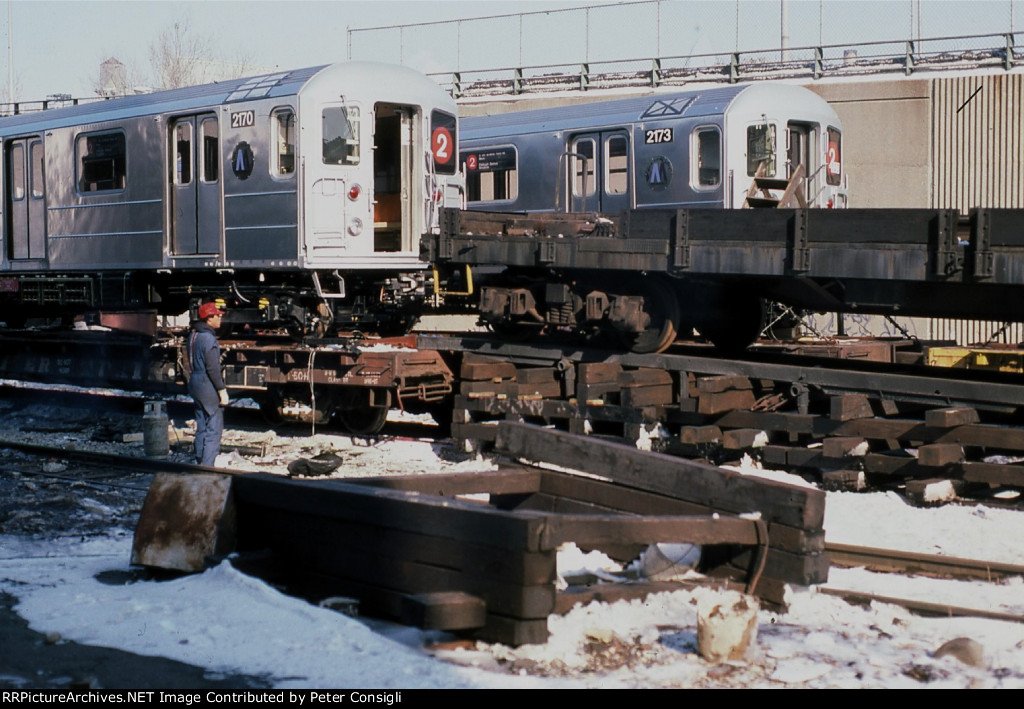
(913, 564)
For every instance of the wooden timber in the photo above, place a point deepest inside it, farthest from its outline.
(428, 549)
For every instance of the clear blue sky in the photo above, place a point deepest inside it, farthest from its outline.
(58, 45)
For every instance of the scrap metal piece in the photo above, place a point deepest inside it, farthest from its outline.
(185, 521)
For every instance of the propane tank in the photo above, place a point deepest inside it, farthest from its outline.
(154, 429)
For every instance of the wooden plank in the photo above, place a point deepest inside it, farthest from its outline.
(631, 397)
(936, 455)
(803, 569)
(711, 403)
(693, 435)
(950, 417)
(980, 435)
(497, 482)
(410, 576)
(479, 368)
(550, 389)
(644, 377)
(312, 535)
(843, 447)
(993, 473)
(598, 372)
(722, 383)
(609, 496)
(474, 431)
(741, 438)
(451, 610)
(847, 480)
(445, 517)
(882, 464)
(794, 424)
(536, 375)
(595, 530)
(701, 484)
(375, 600)
(847, 407)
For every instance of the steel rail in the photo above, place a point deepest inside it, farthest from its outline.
(896, 561)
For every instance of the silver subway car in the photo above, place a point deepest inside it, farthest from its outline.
(698, 149)
(299, 197)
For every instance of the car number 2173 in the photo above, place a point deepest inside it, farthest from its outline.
(658, 135)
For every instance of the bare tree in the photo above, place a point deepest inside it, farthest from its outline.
(180, 57)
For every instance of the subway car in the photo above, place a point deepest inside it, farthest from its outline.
(298, 197)
(695, 149)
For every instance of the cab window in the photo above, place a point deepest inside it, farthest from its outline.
(761, 149)
(341, 136)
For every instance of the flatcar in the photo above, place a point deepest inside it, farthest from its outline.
(298, 197)
(756, 145)
(696, 149)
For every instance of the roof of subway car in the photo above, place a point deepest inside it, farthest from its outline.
(701, 103)
(274, 84)
(704, 102)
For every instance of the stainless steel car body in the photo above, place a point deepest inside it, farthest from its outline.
(692, 149)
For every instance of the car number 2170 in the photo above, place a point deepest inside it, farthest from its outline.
(243, 119)
(658, 135)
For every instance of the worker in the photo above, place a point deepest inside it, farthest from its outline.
(205, 383)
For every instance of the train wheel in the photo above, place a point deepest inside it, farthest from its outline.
(740, 329)
(363, 411)
(662, 306)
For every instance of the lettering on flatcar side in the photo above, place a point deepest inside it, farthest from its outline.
(243, 119)
(658, 135)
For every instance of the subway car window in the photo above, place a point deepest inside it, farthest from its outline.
(491, 174)
(341, 136)
(17, 158)
(211, 149)
(36, 162)
(834, 158)
(616, 164)
(583, 167)
(283, 122)
(183, 143)
(708, 157)
(761, 149)
(443, 143)
(101, 162)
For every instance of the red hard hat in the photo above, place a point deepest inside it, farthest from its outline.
(208, 310)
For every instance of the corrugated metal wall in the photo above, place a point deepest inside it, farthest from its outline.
(976, 332)
(978, 142)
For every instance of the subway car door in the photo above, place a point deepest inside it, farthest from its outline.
(25, 198)
(195, 185)
(600, 172)
(798, 154)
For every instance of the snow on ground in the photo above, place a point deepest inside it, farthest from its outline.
(228, 622)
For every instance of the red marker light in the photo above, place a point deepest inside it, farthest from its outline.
(354, 191)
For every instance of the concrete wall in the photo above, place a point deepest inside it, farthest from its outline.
(886, 140)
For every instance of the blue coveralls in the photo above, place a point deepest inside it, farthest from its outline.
(205, 382)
